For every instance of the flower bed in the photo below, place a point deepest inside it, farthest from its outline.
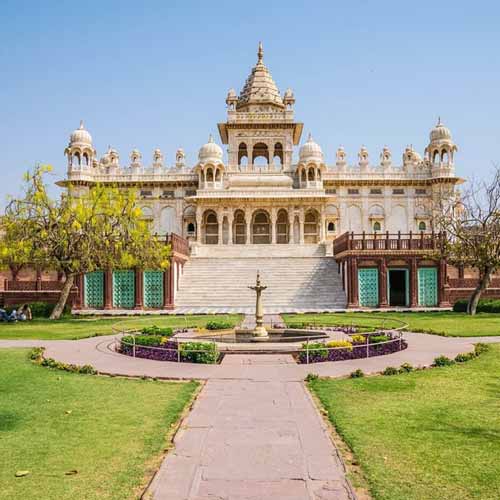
(379, 345)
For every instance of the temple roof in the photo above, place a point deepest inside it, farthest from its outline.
(259, 87)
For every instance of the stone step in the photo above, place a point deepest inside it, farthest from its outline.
(294, 283)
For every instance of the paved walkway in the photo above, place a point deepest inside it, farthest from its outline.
(253, 440)
(253, 432)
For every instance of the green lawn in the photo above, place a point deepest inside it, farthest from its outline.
(446, 323)
(113, 435)
(75, 328)
(432, 434)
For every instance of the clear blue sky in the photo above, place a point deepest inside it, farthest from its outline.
(155, 74)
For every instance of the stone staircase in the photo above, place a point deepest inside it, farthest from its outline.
(220, 283)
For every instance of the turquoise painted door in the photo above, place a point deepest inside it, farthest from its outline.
(153, 289)
(427, 287)
(94, 290)
(124, 289)
(368, 287)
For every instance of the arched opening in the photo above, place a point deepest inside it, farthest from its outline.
(85, 159)
(444, 156)
(209, 174)
(278, 154)
(76, 161)
(331, 227)
(242, 154)
(261, 228)
(310, 174)
(435, 156)
(282, 229)
(311, 227)
(217, 175)
(211, 228)
(189, 221)
(376, 227)
(422, 226)
(303, 176)
(191, 229)
(239, 228)
(260, 155)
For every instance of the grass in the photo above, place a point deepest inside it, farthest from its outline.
(113, 436)
(76, 328)
(432, 434)
(447, 323)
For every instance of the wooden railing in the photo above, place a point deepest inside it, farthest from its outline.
(387, 241)
(179, 244)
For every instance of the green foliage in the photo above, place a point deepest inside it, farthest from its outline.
(311, 377)
(406, 368)
(376, 339)
(36, 356)
(464, 356)
(481, 348)
(41, 309)
(390, 370)
(340, 343)
(357, 373)
(199, 352)
(165, 331)
(145, 340)
(443, 361)
(218, 325)
(484, 305)
(315, 351)
(100, 228)
(358, 339)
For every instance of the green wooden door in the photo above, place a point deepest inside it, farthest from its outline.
(124, 289)
(368, 287)
(94, 290)
(427, 287)
(153, 289)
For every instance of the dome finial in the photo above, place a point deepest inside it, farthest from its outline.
(81, 125)
(260, 53)
(309, 137)
(210, 138)
(439, 121)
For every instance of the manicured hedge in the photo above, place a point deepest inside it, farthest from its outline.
(484, 305)
(218, 325)
(40, 309)
(199, 352)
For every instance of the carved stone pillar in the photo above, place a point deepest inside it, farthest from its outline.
(199, 223)
(220, 220)
(382, 282)
(273, 225)
(248, 221)
(139, 289)
(230, 220)
(291, 217)
(443, 291)
(322, 226)
(352, 282)
(301, 226)
(108, 289)
(413, 282)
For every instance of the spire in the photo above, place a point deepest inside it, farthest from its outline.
(81, 125)
(210, 138)
(439, 121)
(310, 137)
(260, 53)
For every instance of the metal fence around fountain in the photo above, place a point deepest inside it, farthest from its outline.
(396, 334)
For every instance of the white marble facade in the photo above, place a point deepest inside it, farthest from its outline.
(261, 193)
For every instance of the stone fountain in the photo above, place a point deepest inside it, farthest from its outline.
(259, 332)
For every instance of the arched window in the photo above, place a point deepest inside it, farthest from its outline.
(190, 229)
(242, 154)
(278, 154)
(260, 152)
(211, 229)
(376, 226)
(311, 227)
(282, 227)
(240, 228)
(331, 227)
(422, 226)
(261, 228)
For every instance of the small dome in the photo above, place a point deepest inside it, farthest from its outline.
(232, 94)
(440, 133)
(288, 94)
(210, 152)
(81, 136)
(311, 151)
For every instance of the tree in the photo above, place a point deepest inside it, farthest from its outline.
(76, 233)
(472, 225)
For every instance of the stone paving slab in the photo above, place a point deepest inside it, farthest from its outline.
(252, 439)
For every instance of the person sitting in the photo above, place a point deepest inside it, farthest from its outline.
(25, 313)
(5, 316)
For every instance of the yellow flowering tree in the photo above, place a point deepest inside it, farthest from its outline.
(77, 233)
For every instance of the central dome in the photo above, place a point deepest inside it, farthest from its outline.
(259, 87)
(440, 133)
(311, 151)
(81, 136)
